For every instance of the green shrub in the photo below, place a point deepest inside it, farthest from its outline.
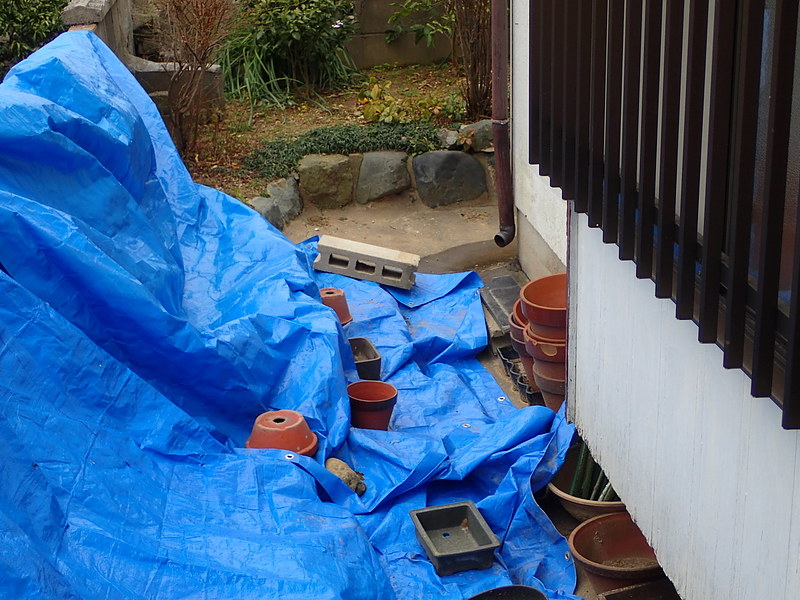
(28, 24)
(282, 44)
(278, 158)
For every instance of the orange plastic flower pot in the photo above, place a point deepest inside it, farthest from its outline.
(283, 429)
(335, 298)
(371, 404)
(544, 300)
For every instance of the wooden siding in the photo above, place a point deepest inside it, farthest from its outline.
(711, 480)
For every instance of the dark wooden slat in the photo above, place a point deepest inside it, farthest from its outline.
(545, 22)
(583, 95)
(716, 183)
(648, 144)
(616, 38)
(569, 94)
(740, 198)
(774, 195)
(557, 95)
(630, 129)
(534, 83)
(791, 389)
(668, 147)
(691, 156)
(597, 111)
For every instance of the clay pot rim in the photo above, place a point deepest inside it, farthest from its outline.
(295, 418)
(353, 388)
(518, 315)
(541, 280)
(539, 373)
(545, 340)
(582, 501)
(609, 570)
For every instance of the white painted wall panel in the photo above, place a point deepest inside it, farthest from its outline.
(537, 201)
(705, 469)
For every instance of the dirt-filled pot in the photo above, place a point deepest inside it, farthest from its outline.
(579, 508)
(335, 298)
(613, 552)
(283, 429)
(371, 404)
(544, 300)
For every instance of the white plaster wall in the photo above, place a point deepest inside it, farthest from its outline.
(704, 468)
(540, 204)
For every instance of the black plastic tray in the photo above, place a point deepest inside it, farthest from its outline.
(513, 367)
(367, 357)
(455, 537)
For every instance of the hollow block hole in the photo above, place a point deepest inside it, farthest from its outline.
(363, 266)
(338, 260)
(391, 273)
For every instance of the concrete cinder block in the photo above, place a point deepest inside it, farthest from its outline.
(83, 12)
(365, 261)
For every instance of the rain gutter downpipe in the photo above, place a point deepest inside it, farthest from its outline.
(500, 121)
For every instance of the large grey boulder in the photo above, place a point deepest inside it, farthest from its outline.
(282, 202)
(382, 174)
(268, 208)
(477, 136)
(326, 180)
(444, 177)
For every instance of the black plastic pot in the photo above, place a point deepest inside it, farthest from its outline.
(367, 357)
(510, 592)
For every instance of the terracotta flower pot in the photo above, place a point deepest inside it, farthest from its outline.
(544, 300)
(335, 298)
(552, 401)
(527, 364)
(613, 553)
(543, 349)
(284, 429)
(371, 404)
(556, 335)
(519, 346)
(550, 377)
(579, 508)
(516, 328)
(518, 315)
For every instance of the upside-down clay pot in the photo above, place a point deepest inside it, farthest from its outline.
(580, 508)
(335, 298)
(552, 401)
(613, 553)
(544, 300)
(371, 404)
(284, 429)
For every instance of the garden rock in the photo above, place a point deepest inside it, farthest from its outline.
(448, 138)
(353, 479)
(269, 209)
(326, 180)
(479, 134)
(286, 194)
(382, 174)
(444, 177)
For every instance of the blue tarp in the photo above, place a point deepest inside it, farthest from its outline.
(145, 321)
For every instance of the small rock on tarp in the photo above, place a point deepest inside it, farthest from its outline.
(353, 479)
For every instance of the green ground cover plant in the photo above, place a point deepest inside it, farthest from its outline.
(278, 158)
(25, 25)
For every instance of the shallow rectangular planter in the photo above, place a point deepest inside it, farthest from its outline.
(455, 537)
(367, 357)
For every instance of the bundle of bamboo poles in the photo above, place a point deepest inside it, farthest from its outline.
(589, 482)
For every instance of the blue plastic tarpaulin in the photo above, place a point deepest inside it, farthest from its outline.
(145, 321)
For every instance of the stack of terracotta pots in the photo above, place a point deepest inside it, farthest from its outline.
(543, 306)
